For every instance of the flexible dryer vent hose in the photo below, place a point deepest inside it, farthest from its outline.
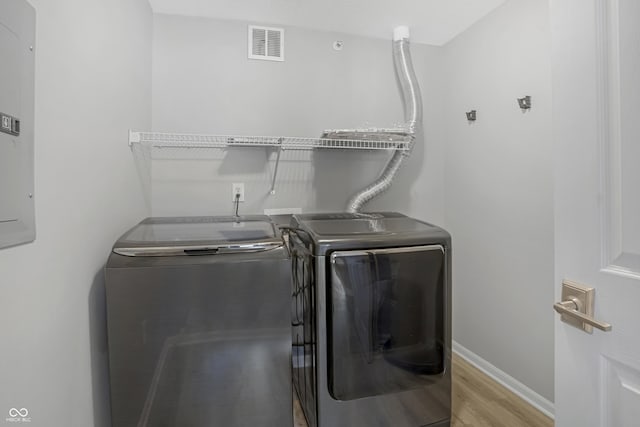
(412, 114)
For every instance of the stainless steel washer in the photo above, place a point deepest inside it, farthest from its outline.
(371, 320)
(199, 324)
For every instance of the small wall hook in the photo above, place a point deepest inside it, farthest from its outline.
(471, 115)
(525, 103)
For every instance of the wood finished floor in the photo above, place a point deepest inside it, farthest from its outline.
(478, 401)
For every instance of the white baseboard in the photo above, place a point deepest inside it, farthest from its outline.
(534, 399)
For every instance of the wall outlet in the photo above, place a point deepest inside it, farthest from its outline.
(237, 188)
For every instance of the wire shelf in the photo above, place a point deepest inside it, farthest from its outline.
(396, 140)
(145, 144)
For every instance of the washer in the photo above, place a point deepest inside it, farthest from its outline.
(199, 323)
(371, 320)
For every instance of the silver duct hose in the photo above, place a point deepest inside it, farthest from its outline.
(413, 120)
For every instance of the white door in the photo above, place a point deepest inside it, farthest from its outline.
(596, 130)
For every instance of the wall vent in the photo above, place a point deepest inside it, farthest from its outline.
(266, 43)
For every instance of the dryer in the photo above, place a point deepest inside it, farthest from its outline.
(199, 323)
(371, 320)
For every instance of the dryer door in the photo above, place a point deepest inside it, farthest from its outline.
(385, 320)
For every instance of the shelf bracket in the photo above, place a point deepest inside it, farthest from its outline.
(272, 191)
(134, 137)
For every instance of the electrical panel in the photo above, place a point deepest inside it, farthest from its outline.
(17, 68)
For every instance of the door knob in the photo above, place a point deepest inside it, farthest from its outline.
(576, 307)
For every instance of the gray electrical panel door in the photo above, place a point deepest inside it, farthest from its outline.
(17, 46)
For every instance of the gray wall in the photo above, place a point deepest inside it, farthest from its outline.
(204, 83)
(92, 84)
(93, 68)
(495, 195)
(499, 192)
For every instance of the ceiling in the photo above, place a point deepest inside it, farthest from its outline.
(432, 22)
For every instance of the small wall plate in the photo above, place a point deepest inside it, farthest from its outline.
(585, 296)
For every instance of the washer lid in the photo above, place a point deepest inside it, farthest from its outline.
(205, 235)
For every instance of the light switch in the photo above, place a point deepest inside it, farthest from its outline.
(10, 125)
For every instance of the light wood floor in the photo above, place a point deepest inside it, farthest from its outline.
(478, 401)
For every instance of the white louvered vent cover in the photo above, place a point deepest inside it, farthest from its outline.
(266, 43)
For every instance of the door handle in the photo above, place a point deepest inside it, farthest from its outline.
(571, 307)
(576, 307)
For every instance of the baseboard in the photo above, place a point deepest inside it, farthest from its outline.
(534, 399)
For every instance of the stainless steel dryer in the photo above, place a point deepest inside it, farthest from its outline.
(199, 324)
(371, 320)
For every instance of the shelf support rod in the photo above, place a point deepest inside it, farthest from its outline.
(272, 191)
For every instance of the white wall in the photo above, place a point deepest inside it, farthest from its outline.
(204, 83)
(499, 192)
(93, 67)
(431, 22)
